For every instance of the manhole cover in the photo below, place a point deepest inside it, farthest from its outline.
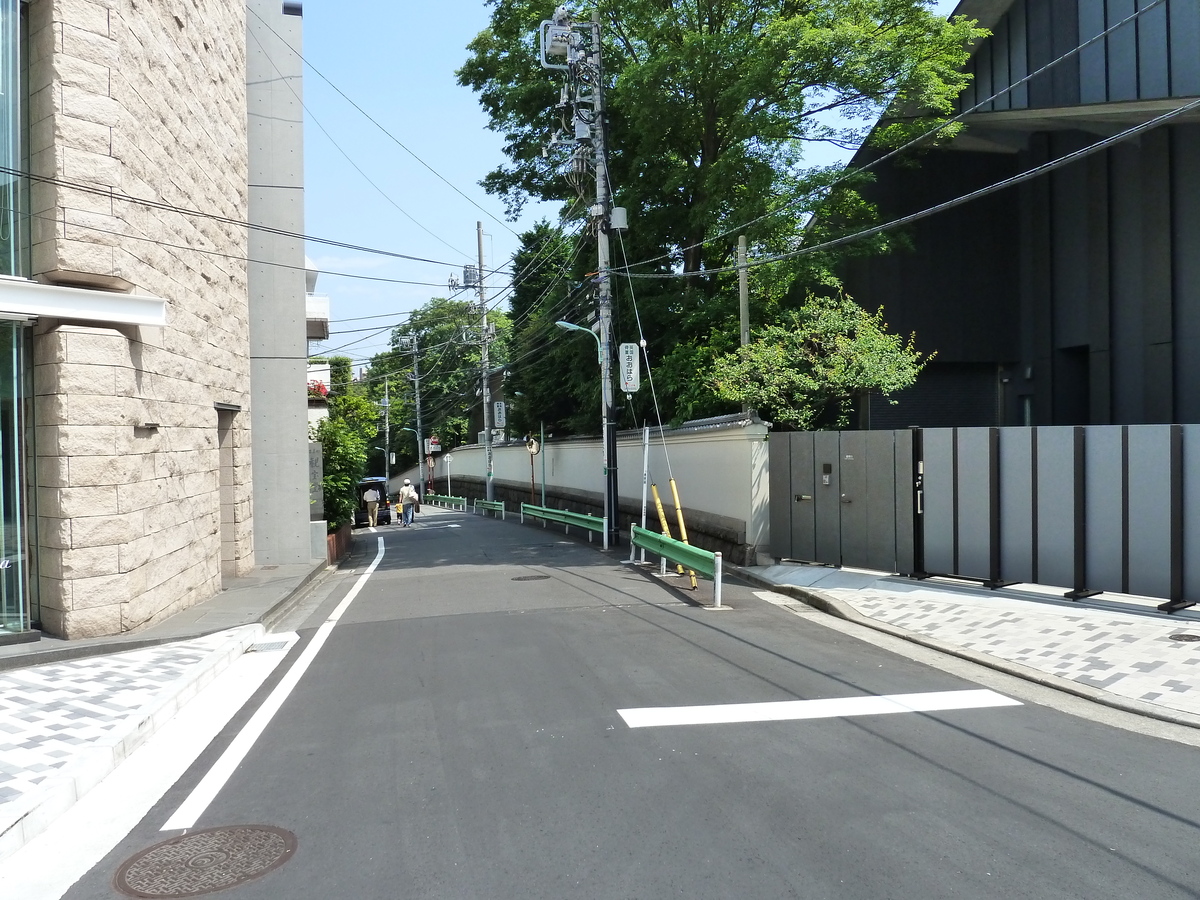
(205, 861)
(532, 578)
(1186, 638)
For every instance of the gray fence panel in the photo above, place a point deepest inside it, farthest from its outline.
(1104, 511)
(855, 498)
(1016, 505)
(1057, 506)
(779, 463)
(1191, 512)
(976, 513)
(881, 501)
(826, 497)
(803, 510)
(906, 549)
(939, 489)
(1150, 510)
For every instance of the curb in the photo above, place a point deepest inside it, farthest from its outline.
(25, 818)
(121, 644)
(841, 610)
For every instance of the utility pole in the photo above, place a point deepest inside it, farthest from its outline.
(585, 87)
(743, 298)
(387, 437)
(489, 490)
(412, 341)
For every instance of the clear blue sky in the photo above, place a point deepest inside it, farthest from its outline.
(397, 62)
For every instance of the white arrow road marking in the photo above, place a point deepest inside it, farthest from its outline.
(787, 710)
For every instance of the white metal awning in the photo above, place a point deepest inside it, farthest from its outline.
(22, 298)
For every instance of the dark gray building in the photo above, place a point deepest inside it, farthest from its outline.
(1074, 297)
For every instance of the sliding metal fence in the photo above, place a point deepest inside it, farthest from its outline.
(1087, 508)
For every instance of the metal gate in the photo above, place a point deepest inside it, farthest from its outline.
(852, 498)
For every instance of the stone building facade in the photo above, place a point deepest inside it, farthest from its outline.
(130, 309)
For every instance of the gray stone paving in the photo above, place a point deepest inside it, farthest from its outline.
(1128, 655)
(49, 712)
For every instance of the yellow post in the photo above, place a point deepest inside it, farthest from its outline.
(662, 519)
(682, 527)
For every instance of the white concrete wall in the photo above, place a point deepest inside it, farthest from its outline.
(722, 471)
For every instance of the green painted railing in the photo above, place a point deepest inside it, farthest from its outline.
(444, 500)
(703, 562)
(566, 518)
(493, 505)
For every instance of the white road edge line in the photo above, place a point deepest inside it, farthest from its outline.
(206, 790)
(790, 710)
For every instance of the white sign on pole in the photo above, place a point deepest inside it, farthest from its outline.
(500, 420)
(631, 369)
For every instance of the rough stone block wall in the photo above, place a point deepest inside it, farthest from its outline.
(147, 100)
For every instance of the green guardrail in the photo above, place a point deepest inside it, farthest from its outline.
(703, 562)
(566, 518)
(493, 505)
(445, 500)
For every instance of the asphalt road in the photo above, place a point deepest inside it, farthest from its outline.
(458, 735)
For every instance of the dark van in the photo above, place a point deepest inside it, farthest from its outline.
(385, 503)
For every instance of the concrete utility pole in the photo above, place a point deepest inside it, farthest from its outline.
(387, 437)
(562, 37)
(743, 297)
(489, 489)
(412, 341)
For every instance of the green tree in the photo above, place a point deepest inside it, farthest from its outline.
(711, 107)
(345, 436)
(809, 371)
(447, 333)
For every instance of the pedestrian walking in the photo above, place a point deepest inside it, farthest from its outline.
(371, 498)
(410, 501)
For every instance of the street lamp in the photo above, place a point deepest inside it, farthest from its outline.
(610, 493)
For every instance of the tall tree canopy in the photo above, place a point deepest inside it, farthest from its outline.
(447, 336)
(711, 107)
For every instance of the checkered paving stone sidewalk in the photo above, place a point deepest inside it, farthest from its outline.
(1130, 656)
(49, 713)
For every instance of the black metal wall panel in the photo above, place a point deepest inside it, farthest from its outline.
(1122, 52)
(1185, 262)
(855, 499)
(1149, 505)
(1000, 64)
(977, 467)
(1104, 513)
(1056, 506)
(904, 443)
(803, 510)
(1184, 23)
(1191, 512)
(826, 498)
(1018, 54)
(939, 502)
(881, 501)
(1017, 559)
(1093, 85)
(1153, 77)
(779, 466)
(1128, 319)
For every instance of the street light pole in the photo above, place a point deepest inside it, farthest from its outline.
(605, 430)
(489, 488)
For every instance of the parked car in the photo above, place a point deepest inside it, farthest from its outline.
(385, 504)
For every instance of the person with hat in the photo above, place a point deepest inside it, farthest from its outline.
(410, 501)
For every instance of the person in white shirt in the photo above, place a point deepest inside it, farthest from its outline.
(410, 500)
(371, 497)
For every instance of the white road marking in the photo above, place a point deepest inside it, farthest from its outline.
(91, 828)
(202, 795)
(787, 710)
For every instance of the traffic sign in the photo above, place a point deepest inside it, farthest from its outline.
(631, 369)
